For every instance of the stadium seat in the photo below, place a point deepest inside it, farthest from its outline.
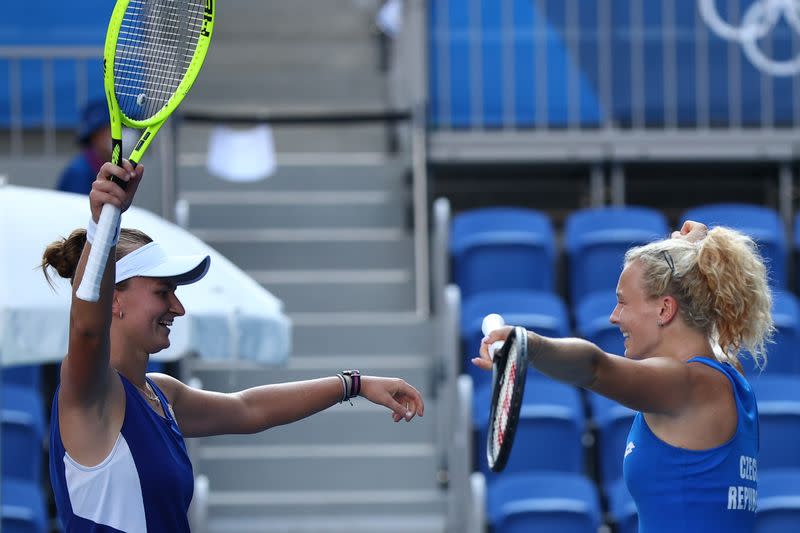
(613, 423)
(548, 437)
(621, 507)
(596, 241)
(592, 321)
(779, 420)
(23, 509)
(761, 223)
(783, 354)
(542, 312)
(25, 375)
(796, 234)
(778, 501)
(22, 433)
(543, 501)
(502, 248)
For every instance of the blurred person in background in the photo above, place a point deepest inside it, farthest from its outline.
(686, 307)
(118, 461)
(94, 139)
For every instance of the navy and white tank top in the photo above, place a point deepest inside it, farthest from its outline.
(676, 489)
(144, 484)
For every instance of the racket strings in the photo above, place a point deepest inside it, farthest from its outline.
(504, 400)
(156, 43)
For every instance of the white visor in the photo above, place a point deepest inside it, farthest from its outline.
(151, 261)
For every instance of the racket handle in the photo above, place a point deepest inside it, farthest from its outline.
(490, 323)
(89, 289)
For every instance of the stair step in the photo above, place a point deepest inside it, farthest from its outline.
(296, 209)
(414, 468)
(331, 428)
(256, 87)
(245, 19)
(277, 277)
(323, 171)
(397, 512)
(313, 235)
(322, 333)
(319, 248)
(300, 144)
(345, 297)
(338, 53)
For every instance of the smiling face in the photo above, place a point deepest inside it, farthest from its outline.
(148, 306)
(636, 315)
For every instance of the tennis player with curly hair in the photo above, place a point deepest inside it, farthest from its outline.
(687, 307)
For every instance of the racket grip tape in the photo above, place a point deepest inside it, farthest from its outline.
(89, 289)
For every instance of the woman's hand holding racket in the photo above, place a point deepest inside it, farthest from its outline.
(404, 400)
(495, 334)
(105, 191)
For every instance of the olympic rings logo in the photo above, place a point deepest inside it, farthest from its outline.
(759, 19)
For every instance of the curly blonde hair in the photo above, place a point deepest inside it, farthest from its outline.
(720, 284)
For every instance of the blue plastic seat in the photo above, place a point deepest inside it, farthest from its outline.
(762, 224)
(613, 422)
(779, 420)
(796, 246)
(543, 501)
(622, 508)
(542, 312)
(596, 241)
(778, 501)
(592, 321)
(22, 433)
(23, 509)
(549, 431)
(26, 375)
(783, 354)
(502, 248)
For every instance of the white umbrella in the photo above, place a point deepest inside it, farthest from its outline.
(228, 314)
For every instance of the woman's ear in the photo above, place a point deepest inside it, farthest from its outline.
(668, 311)
(116, 306)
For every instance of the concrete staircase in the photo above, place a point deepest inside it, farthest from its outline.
(330, 234)
(290, 54)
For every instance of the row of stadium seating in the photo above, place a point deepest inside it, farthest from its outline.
(505, 247)
(547, 314)
(570, 503)
(23, 427)
(554, 422)
(565, 434)
(552, 64)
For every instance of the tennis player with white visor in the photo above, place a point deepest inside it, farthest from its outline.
(118, 460)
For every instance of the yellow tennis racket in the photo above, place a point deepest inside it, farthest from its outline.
(153, 52)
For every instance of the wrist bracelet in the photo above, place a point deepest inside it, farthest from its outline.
(354, 379)
(91, 229)
(348, 386)
(344, 388)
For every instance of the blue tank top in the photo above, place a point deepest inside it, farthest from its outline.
(676, 489)
(144, 484)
